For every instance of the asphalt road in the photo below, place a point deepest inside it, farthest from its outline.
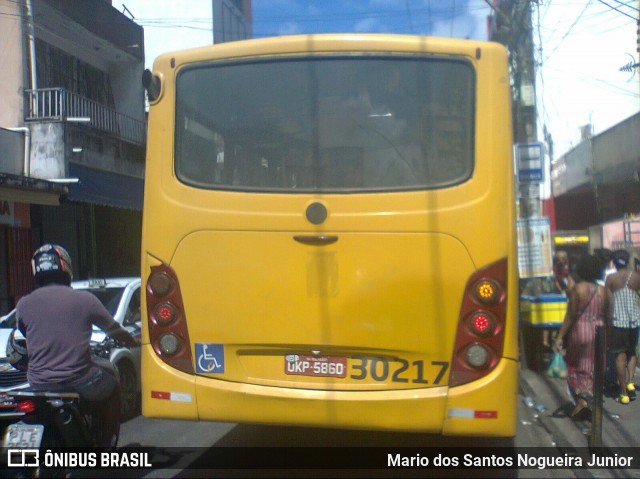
(179, 448)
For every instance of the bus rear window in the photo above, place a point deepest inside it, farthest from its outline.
(326, 124)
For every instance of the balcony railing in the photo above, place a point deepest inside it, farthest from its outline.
(58, 104)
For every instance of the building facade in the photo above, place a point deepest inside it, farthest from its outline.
(232, 20)
(596, 187)
(72, 138)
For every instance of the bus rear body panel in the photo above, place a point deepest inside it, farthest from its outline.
(332, 245)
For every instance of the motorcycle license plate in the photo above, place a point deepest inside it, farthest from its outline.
(21, 435)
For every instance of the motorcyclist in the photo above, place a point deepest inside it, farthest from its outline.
(57, 321)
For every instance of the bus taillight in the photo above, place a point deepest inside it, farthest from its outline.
(477, 356)
(168, 330)
(160, 283)
(487, 291)
(169, 344)
(480, 334)
(165, 313)
(482, 323)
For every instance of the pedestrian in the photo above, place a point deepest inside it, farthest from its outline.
(587, 309)
(606, 256)
(611, 387)
(562, 283)
(624, 287)
(562, 279)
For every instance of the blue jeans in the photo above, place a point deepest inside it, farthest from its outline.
(102, 390)
(101, 383)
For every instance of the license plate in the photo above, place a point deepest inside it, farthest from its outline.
(323, 366)
(21, 435)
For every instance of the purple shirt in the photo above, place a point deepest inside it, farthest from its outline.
(57, 322)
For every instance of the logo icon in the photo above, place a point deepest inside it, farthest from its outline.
(210, 358)
(23, 458)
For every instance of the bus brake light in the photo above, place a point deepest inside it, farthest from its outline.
(168, 332)
(483, 324)
(165, 313)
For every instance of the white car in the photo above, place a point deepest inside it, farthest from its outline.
(121, 297)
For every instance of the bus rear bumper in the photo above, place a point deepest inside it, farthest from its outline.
(173, 394)
(487, 407)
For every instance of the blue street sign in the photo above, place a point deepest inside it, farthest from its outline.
(530, 162)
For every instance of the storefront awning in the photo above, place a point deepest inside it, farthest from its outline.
(105, 188)
(29, 196)
(22, 189)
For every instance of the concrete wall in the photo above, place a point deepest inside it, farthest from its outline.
(103, 153)
(128, 93)
(571, 170)
(113, 27)
(12, 75)
(616, 152)
(47, 150)
(608, 158)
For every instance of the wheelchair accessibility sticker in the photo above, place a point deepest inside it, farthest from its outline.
(209, 358)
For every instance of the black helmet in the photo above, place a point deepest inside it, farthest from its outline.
(51, 264)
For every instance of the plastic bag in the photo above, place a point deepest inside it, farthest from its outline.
(557, 366)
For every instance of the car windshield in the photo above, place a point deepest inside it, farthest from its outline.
(110, 297)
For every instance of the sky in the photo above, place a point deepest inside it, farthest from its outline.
(580, 45)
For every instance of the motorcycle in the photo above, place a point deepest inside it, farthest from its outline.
(53, 417)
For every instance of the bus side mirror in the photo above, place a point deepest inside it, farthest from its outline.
(152, 84)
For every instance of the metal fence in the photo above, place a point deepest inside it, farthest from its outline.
(58, 104)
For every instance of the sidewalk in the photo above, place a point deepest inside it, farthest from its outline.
(620, 423)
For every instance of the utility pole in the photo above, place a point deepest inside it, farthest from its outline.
(512, 27)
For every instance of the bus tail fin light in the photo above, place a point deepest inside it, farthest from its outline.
(481, 323)
(168, 330)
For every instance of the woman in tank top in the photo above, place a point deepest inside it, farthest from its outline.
(587, 309)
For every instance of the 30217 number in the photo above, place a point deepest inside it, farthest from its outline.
(398, 370)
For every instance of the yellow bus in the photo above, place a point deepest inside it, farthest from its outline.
(328, 235)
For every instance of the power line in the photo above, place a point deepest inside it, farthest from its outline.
(569, 30)
(627, 5)
(616, 9)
